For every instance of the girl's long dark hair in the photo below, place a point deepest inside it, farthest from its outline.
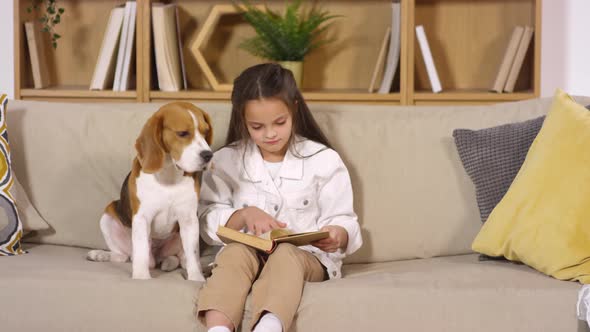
(270, 80)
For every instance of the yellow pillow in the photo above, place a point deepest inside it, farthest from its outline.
(543, 220)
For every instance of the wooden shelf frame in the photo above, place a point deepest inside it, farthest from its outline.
(417, 94)
(411, 89)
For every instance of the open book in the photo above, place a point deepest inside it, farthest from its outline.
(268, 241)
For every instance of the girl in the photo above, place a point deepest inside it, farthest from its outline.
(277, 170)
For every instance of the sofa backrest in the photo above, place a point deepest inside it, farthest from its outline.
(411, 193)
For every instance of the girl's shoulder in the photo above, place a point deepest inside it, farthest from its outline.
(228, 150)
(315, 152)
(227, 154)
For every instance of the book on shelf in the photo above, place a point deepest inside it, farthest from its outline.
(126, 48)
(508, 59)
(393, 53)
(104, 70)
(523, 46)
(378, 70)
(168, 47)
(268, 241)
(36, 56)
(180, 51)
(129, 60)
(428, 60)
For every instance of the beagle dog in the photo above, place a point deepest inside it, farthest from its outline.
(155, 219)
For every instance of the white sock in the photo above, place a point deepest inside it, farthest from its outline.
(219, 329)
(269, 323)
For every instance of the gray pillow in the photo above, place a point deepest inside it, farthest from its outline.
(493, 156)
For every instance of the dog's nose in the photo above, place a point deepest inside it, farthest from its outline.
(206, 155)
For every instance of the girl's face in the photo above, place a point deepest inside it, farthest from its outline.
(269, 124)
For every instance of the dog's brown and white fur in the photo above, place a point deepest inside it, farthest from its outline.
(155, 219)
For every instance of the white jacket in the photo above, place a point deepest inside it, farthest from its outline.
(307, 194)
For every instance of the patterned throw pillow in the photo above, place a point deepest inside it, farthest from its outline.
(493, 156)
(11, 234)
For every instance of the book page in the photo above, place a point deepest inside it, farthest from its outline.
(302, 239)
(276, 233)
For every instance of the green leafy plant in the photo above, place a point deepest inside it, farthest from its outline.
(51, 17)
(284, 38)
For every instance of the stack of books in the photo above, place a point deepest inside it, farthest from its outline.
(513, 59)
(114, 66)
(168, 47)
(391, 44)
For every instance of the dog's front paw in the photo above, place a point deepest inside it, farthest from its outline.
(195, 276)
(98, 256)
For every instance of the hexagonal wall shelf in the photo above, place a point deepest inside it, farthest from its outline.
(201, 41)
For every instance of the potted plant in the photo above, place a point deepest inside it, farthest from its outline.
(285, 38)
(50, 18)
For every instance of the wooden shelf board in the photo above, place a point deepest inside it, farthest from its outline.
(473, 95)
(191, 94)
(327, 95)
(77, 92)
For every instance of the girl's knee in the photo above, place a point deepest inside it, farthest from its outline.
(285, 250)
(237, 252)
(236, 248)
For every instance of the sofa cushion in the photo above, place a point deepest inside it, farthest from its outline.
(542, 220)
(492, 157)
(455, 293)
(93, 296)
(29, 216)
(87, 150)
(411, 192)
(55, 288)
(11, 227)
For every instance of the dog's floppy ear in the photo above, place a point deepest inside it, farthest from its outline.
(209, 136)
(149, 146)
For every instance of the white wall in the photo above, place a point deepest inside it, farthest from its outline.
(565, 47)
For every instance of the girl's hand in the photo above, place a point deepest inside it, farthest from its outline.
(259, 222)
(338, 239)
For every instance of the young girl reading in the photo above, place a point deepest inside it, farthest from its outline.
(277, 170)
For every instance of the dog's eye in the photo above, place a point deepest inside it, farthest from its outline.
(183, 133)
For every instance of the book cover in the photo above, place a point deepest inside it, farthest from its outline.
(104, 70)
(36, 56)
(508, 59)
(394, 48)
(380, 59)
(122, 47)
(268, 241)
(523, 46)
(428, 61)
(181, 51)
(166, 44)
(129, 55)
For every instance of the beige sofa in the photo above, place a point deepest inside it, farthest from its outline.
(416, 206)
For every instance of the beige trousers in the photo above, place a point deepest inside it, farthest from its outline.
(276, 282)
